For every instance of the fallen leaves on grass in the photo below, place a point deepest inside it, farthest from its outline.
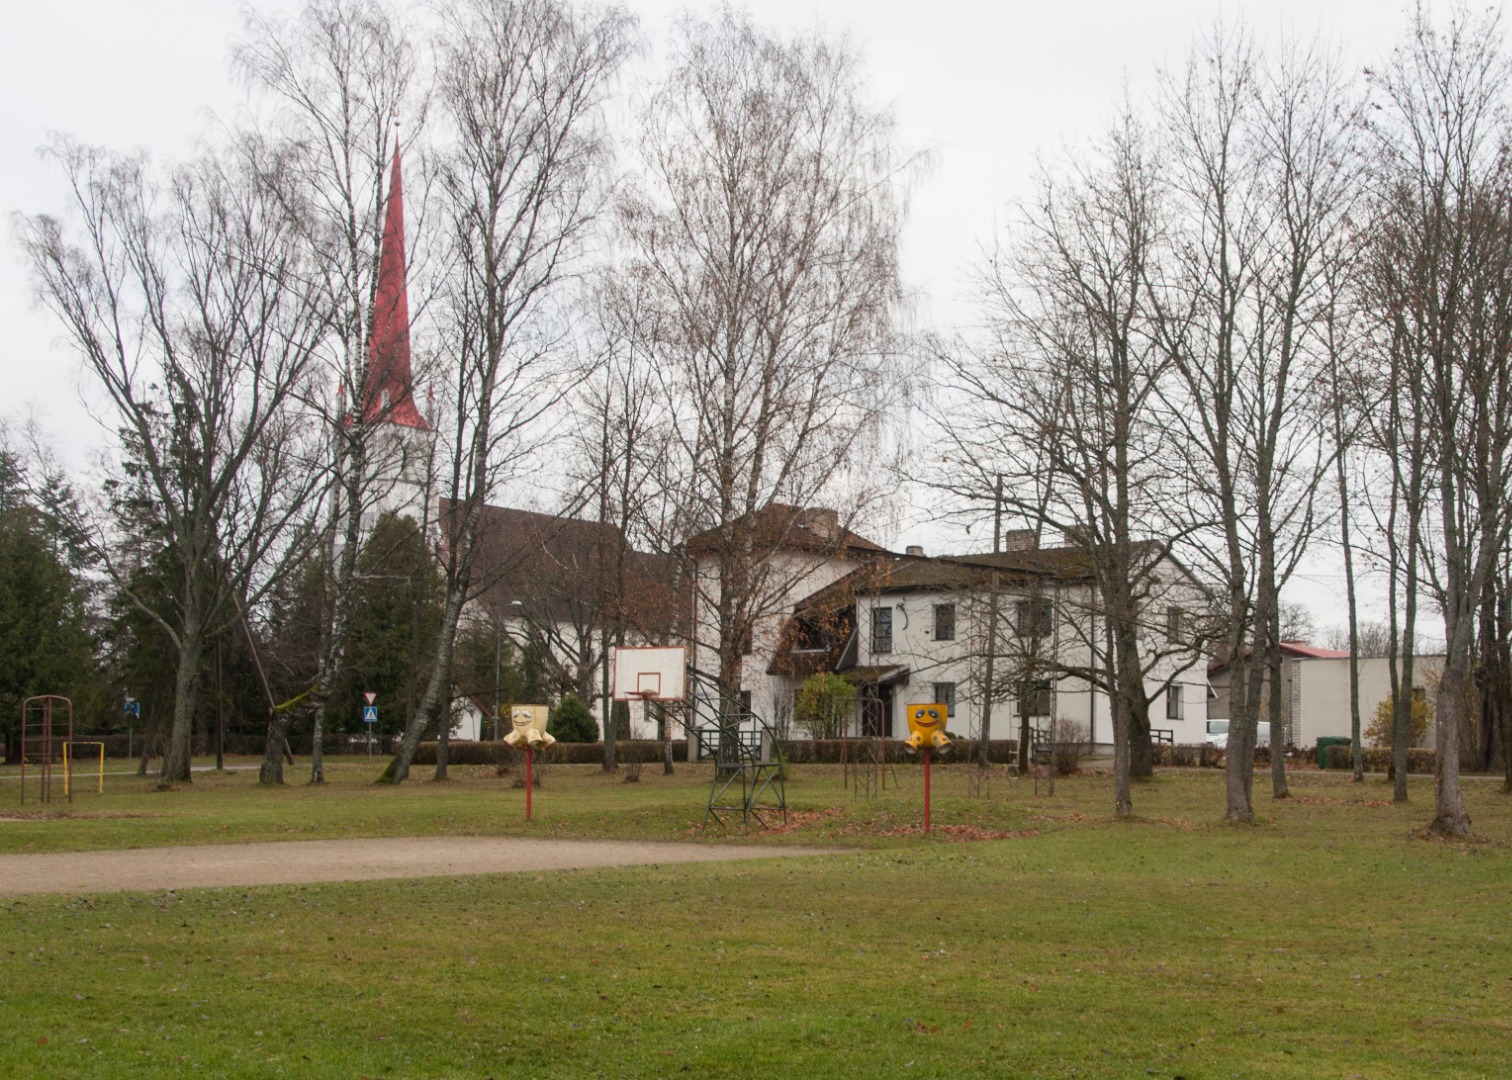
(1179, 824)
(803, 819)
(54, 815)
(1062, 817)
(963, 834)
(1317, 800)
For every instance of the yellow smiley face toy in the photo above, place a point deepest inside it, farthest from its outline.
(926, 729)
(528, 728)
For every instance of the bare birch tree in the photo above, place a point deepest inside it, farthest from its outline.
(189, 301)
(763, 246)
(519, 88)
(1260, 186)
(1065, 399)
(1446, 186)
(336, 75)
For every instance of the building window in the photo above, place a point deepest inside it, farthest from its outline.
(944, 624)
(881, 630)
(746, 636)
(1036, 617)
(1034, 698)
(1173, 625)
(1173, 703)
(944, 694)
(745, 702)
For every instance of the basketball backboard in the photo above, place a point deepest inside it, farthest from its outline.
(650, 674)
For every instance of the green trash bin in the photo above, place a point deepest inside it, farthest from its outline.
(1324, 743)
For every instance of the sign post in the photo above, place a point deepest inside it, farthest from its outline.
(370, 717)
(133, 713)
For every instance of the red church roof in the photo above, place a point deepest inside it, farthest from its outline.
(389, 393)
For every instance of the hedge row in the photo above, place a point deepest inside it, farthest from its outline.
(1378, 759)
(829, 751)
(464, 752)
(794, 751)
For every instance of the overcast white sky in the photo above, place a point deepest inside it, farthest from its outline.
(985, 87)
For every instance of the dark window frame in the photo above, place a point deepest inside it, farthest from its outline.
(1035, 617)
(944, 622)
(1036, 696)
(881, 629)
(1174, 618)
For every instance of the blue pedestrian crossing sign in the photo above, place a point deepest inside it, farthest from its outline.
(370, 714)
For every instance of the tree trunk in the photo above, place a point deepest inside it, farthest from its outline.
(1277, 717)
(1239, 766)
(1450, 816)
(1141, 749)
(611, 758)
(1123, 799)
(185, 703)
(271, 771)
(435, 687)
(333, 647)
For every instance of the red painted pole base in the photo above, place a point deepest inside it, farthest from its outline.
(926, 789)
(528, 782)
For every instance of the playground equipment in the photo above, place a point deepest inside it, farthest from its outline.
(864, 766)
(46, 731)
(926, 731)
(70, 755)
(527, 731)
(748, 778)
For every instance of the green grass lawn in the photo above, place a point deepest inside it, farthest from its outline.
(1326, 941)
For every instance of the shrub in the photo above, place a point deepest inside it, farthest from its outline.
(824, 702)
(571, 722)
(1068, 746)
(1378, 731)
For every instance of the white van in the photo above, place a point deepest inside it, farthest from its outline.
(1217, 733)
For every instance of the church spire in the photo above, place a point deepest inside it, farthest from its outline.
(389, 393)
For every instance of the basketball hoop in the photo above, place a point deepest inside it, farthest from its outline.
(650, 674)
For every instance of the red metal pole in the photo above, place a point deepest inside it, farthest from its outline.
(926, 789)
(527, 783)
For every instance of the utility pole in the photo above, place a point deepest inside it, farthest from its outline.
(992, 623)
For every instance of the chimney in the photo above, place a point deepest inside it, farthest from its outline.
(821, 521)
(915, 550)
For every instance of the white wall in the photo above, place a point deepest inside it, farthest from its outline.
(930, 661)
(802, 574)
(1323, 692)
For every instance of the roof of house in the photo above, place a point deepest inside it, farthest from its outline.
(779, 527)
(889, 573)
(1296, 650)
(1303, 651)
(558, 568)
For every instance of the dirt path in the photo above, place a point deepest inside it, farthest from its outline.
(299, 861)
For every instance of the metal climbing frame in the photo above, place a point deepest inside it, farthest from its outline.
(44, 733)
(748, 776)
